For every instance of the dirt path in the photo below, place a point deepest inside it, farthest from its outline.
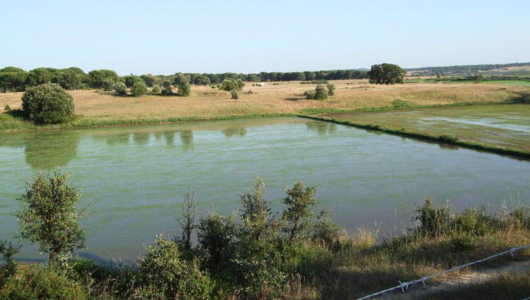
(457, 282)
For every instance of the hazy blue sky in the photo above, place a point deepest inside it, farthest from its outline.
(164, 37)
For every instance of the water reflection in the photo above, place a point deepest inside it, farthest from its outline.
(117, 139)
(170, 137)
(235, 132)
(44, 151)
(141, 138)
(186, 137)
(322, 128)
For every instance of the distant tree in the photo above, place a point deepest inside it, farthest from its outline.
(12, 81)
(108, 84)
(229, 85)
(48, 104)
(310, 75)
(131, 79)
(478, 78)
(72, 79)
(184, 89)
(139, 88)
(386, 74)
(331, 89)
(201, 80)
(319, 93)
(181, 78)
(12, 70)
(166, 88)
(38, 76)
(148, 79)
(235, 96)
(156, 89)
(120, 88)
(49, 214)
(299, 202)
(253, 78)
(97, 78)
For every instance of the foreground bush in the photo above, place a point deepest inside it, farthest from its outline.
(40, 282)
(165, 275)
(48, 104)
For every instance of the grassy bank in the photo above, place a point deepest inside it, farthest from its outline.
(98, 108)
(445, 139)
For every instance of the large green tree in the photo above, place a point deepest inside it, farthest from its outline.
(386, 74)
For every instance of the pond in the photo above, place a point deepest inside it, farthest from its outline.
(134, 178)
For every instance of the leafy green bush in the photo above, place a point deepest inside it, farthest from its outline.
(217, 238)
(40, 282)
(49, 215)
(7, 107)
(167, 90)
(108, 84)
(165, 275)
(120, 88)
(320, 93)
(235, 96)
(331, 89)
(139, 88)
(432, 221)
(155, 89)
(231, 84)
(184, 89)
(48, 104)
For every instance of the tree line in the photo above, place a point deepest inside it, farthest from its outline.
(17, 79)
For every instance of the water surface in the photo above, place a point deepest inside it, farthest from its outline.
(134, 177)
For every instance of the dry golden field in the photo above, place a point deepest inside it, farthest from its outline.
(284, 97)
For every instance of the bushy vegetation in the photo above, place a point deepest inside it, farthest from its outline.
(386, 74)
(120, 88)
(139, 88)
(320, 93)
(229, 85)
(184, 89)
(235, 96)
(255, 253)
(48, 104)
(167, 89)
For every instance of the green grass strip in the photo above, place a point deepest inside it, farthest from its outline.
(445, 139)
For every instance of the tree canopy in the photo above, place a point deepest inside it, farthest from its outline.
(386, 74)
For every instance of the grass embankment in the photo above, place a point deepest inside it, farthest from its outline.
(445, 139)
(97, 108)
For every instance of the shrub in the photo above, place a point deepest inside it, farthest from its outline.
(167, 90)
(156, 89)
(139, 88)
(432, 221)
(40, 282)
(165, 275)
(331, 89)
(108, 84)
(310, 94)
(48, 104)
(7, 107)
(120, 88)
(184, 89)
(217, 239)
(321, 92)
(299, 202)
(235, 96)
(49, 215)
(230, 84)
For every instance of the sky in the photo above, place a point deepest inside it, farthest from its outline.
(165, 37)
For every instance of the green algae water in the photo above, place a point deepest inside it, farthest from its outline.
(134, 178)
